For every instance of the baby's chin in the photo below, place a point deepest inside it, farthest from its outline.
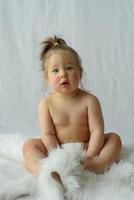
(68, 93)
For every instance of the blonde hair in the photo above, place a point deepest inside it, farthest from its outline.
(54, 44)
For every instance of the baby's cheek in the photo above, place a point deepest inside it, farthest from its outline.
(75, 76)
(54, 82)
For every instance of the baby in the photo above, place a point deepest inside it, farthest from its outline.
(69, 114)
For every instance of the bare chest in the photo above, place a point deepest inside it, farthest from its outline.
(69, 115)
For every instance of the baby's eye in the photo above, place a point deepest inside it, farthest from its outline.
(55, 70)
(69, 67)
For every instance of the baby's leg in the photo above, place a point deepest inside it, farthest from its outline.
(109, 154)
(33, 151)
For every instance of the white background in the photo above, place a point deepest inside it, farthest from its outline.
(102, 31)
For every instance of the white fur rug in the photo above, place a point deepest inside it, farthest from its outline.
(77, 184)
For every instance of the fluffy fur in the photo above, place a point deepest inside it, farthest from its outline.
(117, 183)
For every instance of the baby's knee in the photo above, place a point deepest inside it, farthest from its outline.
(28, 145)
(116, 140)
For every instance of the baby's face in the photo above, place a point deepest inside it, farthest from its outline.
(62, 72)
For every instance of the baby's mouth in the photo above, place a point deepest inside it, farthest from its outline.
(65, 83)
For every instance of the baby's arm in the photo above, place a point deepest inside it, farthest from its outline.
(47, 127)
(96, 127)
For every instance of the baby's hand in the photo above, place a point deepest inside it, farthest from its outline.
(86, 162)
(86, 145)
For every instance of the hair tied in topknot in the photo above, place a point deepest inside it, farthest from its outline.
(56, 44)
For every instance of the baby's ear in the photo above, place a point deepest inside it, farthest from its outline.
(46, 75)
(80, 75)
(55, 175)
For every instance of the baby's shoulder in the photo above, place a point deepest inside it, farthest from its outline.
(91, 99)
(45, 101)
(89, 96)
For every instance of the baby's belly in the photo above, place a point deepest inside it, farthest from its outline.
(67, 135)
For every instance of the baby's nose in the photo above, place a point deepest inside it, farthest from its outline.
(63, 73)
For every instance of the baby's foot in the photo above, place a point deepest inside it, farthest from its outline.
(55, 175)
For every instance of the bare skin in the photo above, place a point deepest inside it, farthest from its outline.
(71, 115)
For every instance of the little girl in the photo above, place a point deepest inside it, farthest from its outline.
(69, 114)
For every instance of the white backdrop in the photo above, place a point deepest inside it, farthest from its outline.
(103, 34)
